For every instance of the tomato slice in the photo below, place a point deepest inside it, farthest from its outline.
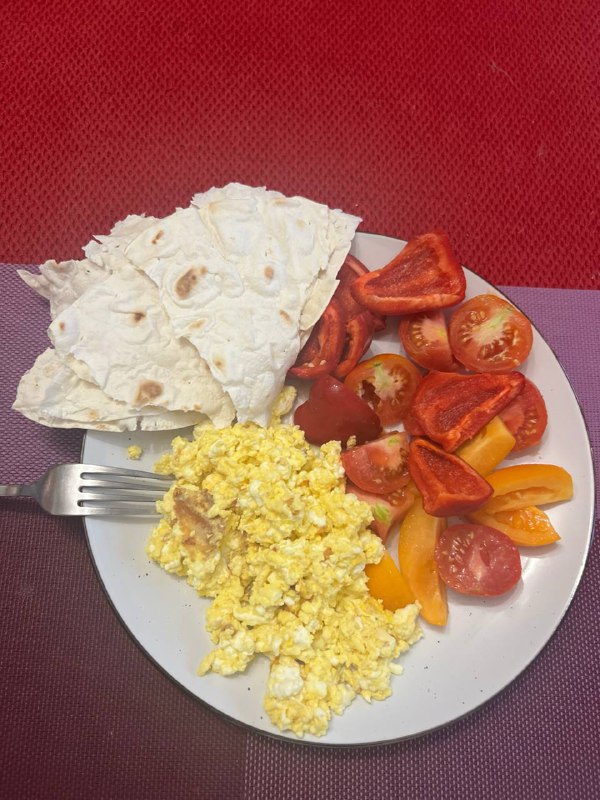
(477, 560)
(380, 466)
(423, 276)
(323, 349)
(387, 383)
(488, 334)
(449, 486)
(424, 337)
(333, 412)
(452, 408)
(526, 417)
(387, 509)
(359, 335)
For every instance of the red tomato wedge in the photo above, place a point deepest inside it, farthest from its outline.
(526, 417)
(359, 335)
(323, 349)
(424, 337)
(477, 560)
(423, 276)
(448, 484)
(387, 509)
(387, 383)
(380, 466)
(488, 334)
(333, 412)
(452, 408)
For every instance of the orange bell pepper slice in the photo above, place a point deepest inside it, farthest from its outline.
(526, 485)
(419, 534)
(388, 584)
(488, 448)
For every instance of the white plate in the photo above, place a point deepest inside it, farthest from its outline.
(451, 671)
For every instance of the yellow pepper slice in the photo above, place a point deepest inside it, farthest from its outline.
(388, 584)
(528, 527)
(419, 534)
(488, 448)
(526, 485)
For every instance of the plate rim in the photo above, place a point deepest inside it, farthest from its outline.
(282, 736)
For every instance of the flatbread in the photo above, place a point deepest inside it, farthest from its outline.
(52, 394)
(117, 336)
(243, 274)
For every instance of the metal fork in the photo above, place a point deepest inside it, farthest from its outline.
(87, 489)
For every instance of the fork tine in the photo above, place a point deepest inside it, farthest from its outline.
(111, 476)
(114, 494)
(119, 510)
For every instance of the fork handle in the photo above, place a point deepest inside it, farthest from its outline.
(14, 490)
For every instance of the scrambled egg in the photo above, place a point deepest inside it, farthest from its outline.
(134, 452)
(260, 521)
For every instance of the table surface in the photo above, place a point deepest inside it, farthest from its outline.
(481, 119)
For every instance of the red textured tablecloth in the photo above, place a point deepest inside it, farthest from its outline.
(480, 118)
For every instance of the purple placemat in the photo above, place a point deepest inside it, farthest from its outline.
(89, 715)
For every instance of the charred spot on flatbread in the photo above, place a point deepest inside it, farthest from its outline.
(61, 326)
(148, 391)
(186, 283)
(157, 236)
(285, 316)
(269, 273)
(138, 316)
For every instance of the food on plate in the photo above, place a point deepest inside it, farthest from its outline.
(260, 522)
(477, 560)
(424, 337)
(351, 269)
(424, 275)
(379, 466)
(488, 334)
(523, 485)
(386, 583)
(202, 312)
(448, 485)
(526, 527)
(419, 535)
(488, 448)
(387, 382)
(526, 417)
(451, 408)
(387, 509)
(134, 452)
(322, 352)
(52, 394)
(359, 335)
(333, 412)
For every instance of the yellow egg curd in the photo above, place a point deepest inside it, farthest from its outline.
(259, 520)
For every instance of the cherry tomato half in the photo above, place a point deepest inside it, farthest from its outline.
(477, 560)
(526, 417)
(387, 509)
(379, 466)
(424, 337)
(488, 334)
(333, 412)
(387, 383)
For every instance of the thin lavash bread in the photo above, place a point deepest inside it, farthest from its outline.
(242, 275)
